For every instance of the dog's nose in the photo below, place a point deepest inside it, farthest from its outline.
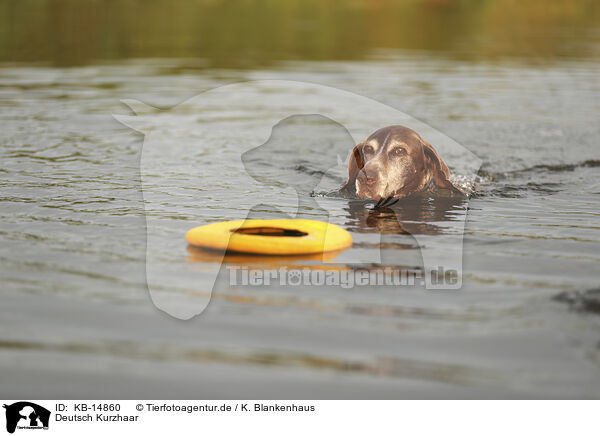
(369, 178)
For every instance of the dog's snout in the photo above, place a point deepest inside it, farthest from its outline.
(370, 180)
(368, 177)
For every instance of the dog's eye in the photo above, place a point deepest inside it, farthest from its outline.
(397, 151)
(368, 149)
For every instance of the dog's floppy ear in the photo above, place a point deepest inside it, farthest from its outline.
(438, 168)
(354, 166)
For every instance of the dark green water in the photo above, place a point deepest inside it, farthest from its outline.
(248, 34)
(515, 83)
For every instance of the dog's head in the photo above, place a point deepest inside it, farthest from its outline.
(395, 162)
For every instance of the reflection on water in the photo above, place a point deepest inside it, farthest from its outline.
(250, 33)
(414, 215)
(376, 366)
(197, 254)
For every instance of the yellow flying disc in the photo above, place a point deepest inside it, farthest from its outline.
(275, 237)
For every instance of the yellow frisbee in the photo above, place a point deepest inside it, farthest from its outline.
(275, 237)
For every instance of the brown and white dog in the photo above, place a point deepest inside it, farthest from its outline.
(394, 163)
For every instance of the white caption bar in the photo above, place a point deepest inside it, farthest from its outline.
(301, 417)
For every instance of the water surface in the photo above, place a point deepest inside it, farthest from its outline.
(76, 316)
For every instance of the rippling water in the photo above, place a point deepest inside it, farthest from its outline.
(76, 316)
